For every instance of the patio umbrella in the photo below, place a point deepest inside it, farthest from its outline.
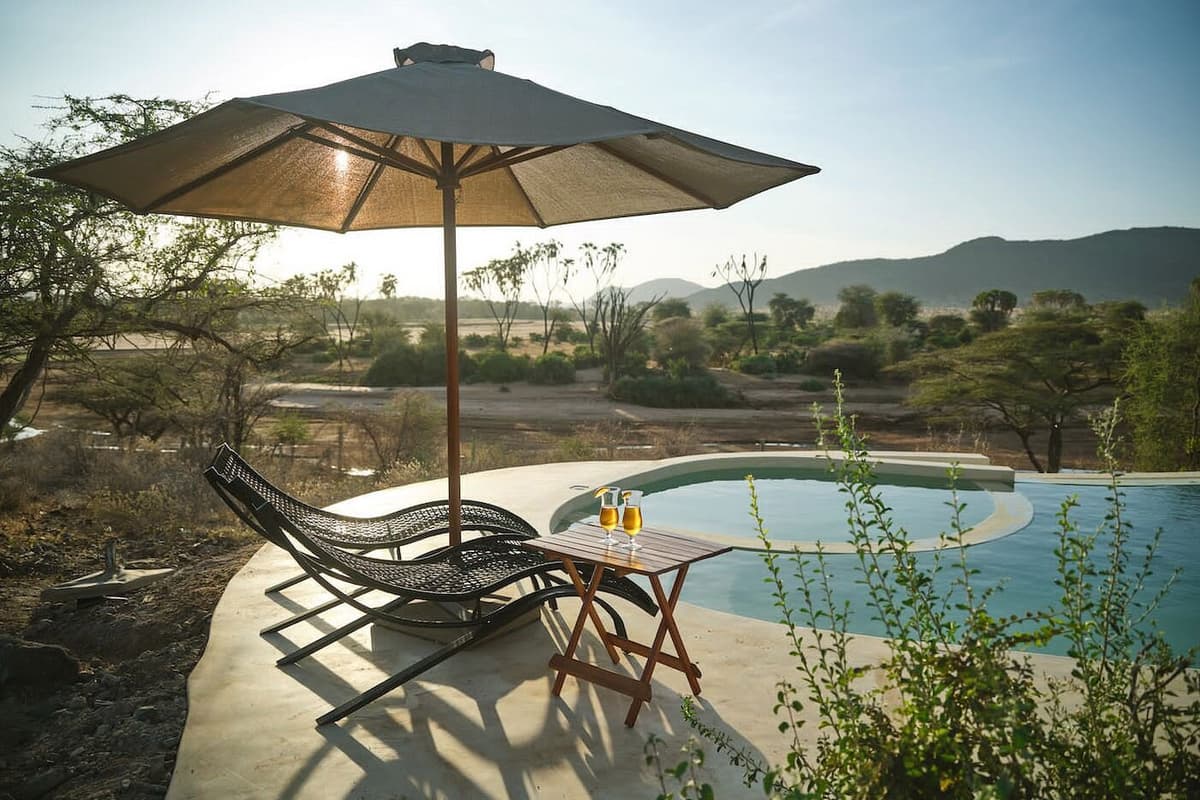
(441, 139)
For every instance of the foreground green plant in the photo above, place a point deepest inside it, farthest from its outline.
(953, 710)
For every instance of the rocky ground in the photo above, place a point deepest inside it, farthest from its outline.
(93, 694)
(97, 711)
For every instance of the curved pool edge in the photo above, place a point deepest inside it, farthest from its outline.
(1103, 478)
(1011, 511)
(546, 494)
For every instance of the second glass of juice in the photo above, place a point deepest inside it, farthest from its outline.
(631, 520)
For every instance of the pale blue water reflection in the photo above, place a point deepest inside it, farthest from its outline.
(1023, 562)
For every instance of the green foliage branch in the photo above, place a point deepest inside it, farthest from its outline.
(952, 711)
(77, 268)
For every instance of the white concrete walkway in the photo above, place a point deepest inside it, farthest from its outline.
(482, 724)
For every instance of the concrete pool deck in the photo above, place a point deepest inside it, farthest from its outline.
(484, 723)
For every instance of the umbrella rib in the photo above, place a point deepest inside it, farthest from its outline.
(528, 201)
(471, 151)
(507, 159)
(218, 171)
(376, 152)
(654, 173)
(433, 160)
(368, 185)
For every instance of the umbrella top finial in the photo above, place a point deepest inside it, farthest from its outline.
(442, 54)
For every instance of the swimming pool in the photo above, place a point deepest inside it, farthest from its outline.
(1024, 562)
(806, 505)
(801, 505)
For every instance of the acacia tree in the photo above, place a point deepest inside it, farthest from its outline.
(76, 268)
(500, 282)
(743, 279)
(897, 309)
(790, 313)
(1035, 377)
(1057, 300)
(992, 309)
(600, 263)
(548, 273)
(672, 308)
(209, 390)
(622, 324)
(334, 298)
(858, 307)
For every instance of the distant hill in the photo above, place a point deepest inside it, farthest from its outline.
(670, 287)
(1153, 265)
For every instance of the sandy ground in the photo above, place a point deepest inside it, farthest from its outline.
(777, 412)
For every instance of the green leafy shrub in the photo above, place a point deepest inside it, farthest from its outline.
(475, 341)
(681, 338)
(812, 385)
(586, 358)
(663, 391)
(499, 366)
(760, 364)
(323, 357)
(291, 429)
(788, 360)
(951, 710)
(406, 364)
(552, 368)
(853, 359)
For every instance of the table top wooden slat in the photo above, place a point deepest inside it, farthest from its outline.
(661, 551)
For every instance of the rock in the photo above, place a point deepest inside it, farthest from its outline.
(24, 663)
(147, 714)
(39, 626)
(43, 783)
(103, 730)
(77, 703)
(156, 769)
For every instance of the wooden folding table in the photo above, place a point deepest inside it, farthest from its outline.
(660, 552)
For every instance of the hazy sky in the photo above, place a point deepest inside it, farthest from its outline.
(933, 122)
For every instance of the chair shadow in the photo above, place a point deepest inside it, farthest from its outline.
(407, 743)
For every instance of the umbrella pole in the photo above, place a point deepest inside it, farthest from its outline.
(448, 183)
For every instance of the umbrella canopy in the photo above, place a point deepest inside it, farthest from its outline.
(439, 140)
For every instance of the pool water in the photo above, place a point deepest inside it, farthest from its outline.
(1023, 563)
(801, 505)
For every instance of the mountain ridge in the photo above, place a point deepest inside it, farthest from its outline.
(1153, 265)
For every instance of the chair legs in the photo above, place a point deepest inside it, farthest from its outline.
(312, 612)
(290, 582)
(334, 635)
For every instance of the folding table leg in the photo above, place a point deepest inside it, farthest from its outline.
(667, 606)
(589, 595)
(591, 608)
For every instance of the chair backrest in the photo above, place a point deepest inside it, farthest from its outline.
(400, 527)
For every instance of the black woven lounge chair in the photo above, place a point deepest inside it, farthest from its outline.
(364, 534)
(465, 574)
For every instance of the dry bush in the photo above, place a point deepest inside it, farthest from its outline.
(965, 438)
(45, 464)
(480, 456)
(683, 440)
(603, 438)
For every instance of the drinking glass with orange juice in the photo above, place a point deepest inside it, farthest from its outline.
(631, 520)
(610, 498)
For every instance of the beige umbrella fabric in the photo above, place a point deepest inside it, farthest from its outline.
(439, 140)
